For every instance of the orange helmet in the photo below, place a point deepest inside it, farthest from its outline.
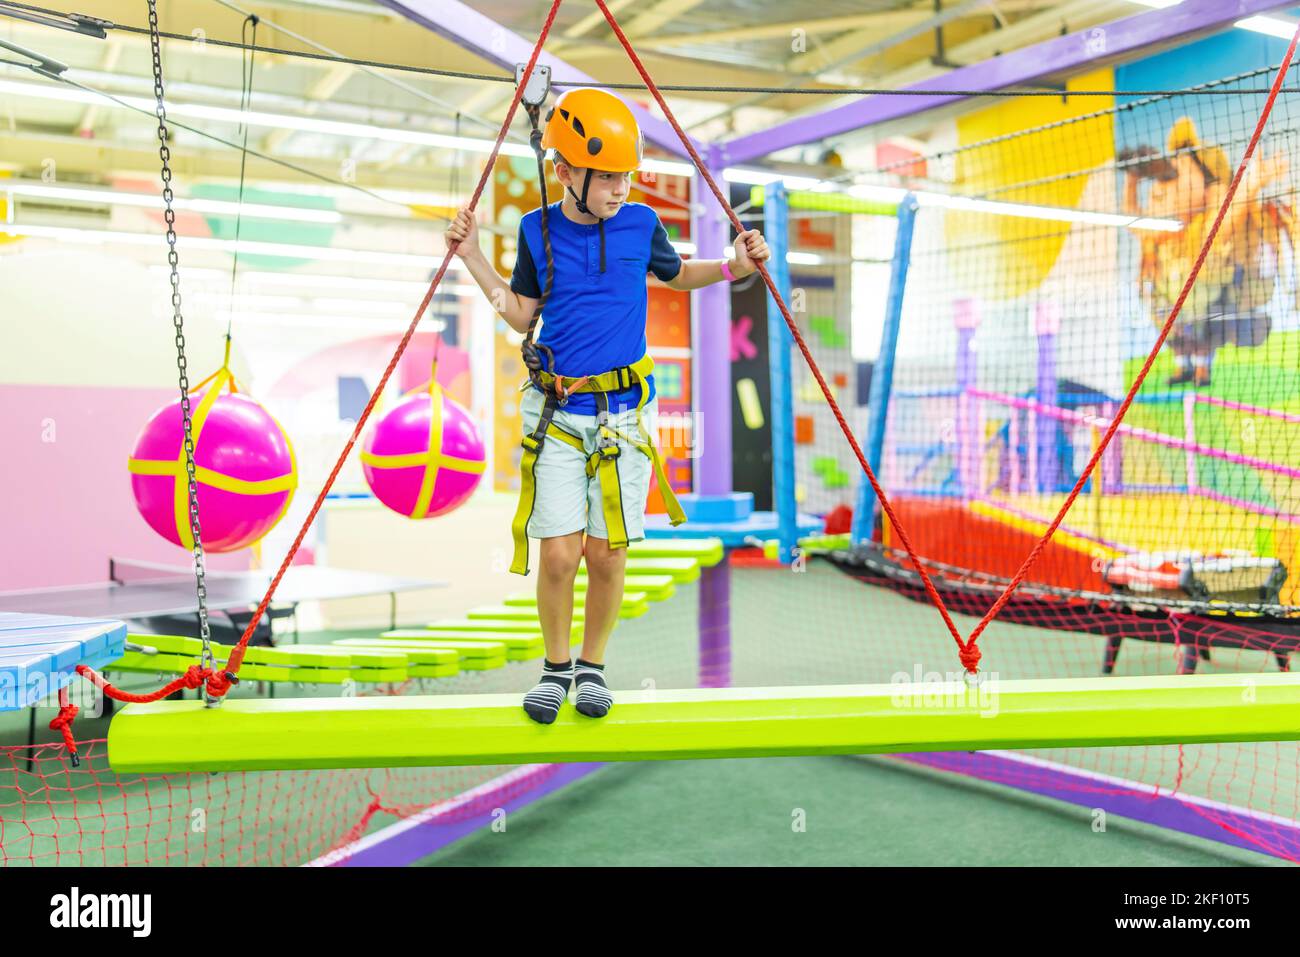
(594, 129)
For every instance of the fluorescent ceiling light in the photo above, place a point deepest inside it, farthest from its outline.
(758, 177)
(686, 249)
(668, 167)
(216, 207)
(245, 247)
(1270, 26)
(1052, 213)
(803, 259)
(884, 194)
(310, 124)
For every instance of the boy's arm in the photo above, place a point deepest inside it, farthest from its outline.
(516, 308)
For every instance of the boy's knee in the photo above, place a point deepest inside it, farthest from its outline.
(601, 559)
(561, 556)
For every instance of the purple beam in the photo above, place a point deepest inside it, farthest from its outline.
(715, 625)
(711, 318)
(422, 834)
(1074, 52)
(1239, 827)
(486, 38)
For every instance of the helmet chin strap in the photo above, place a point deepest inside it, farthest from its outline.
(582, 200)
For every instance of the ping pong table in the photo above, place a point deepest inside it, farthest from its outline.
(46, 632)
(140, 591)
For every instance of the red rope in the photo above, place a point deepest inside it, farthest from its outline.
(1155, 350)
(63, 724)
(794, 331)
(217, 681)
(193, 678)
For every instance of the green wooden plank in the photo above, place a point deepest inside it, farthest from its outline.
(427, 653)
(287, 655)
(353, 657)
(706, 551)
(655, 587)
(400, 731)
(137, 662)
(506, 613)
(527, 646)
(682, 570)
(635, 603)
(435, 671)
(488, 624)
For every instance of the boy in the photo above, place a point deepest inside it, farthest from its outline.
(588, 454)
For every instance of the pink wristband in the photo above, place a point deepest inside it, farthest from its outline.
(726, 272)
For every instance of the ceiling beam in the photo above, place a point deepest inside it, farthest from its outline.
(1076, 51)
(659, 14)
(850, 48)
(484, 37)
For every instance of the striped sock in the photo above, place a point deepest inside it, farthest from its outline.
(594, 699)
(543, 702)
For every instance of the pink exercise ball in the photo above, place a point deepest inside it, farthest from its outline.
(244, 464)
(402, 471)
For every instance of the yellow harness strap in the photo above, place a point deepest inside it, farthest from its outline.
(601, 464)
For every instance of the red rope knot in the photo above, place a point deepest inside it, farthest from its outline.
(63, 724)
(970, 657)
(195, 676)
(219, 682)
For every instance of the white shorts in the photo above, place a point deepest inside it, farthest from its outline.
(566, 500)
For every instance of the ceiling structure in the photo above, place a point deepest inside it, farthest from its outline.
(827, 44)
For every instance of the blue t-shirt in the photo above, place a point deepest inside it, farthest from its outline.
(595, 321)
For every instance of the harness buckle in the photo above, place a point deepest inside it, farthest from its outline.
(606, 438)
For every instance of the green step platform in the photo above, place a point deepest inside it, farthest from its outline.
(635, 603)
(518, 647)
(706, 551)
(473, 655)
(306, 664)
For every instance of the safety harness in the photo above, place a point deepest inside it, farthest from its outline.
(539, 360)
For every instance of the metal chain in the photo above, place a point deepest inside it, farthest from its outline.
(173, 260)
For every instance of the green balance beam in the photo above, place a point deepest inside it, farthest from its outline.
(258, 734)
(706, 551)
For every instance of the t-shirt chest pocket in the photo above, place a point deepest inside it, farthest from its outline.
(633, 267)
